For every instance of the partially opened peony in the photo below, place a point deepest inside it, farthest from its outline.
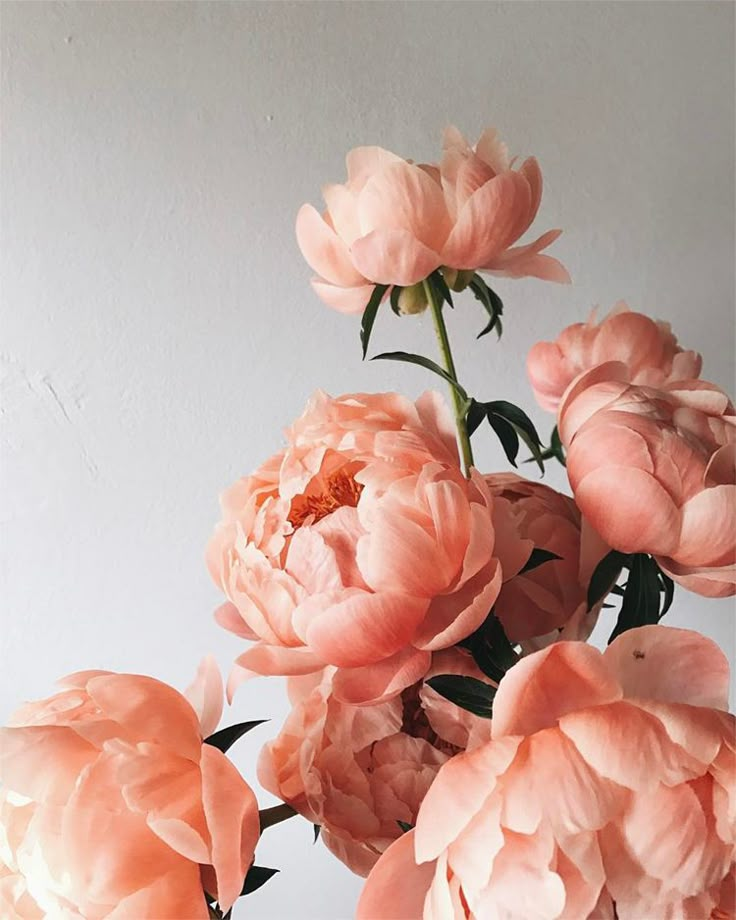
(394, 222)
(550, 600)
(361, 546)
(112, 806)
(608, 790)
(654, 472)
(646, 347)
(360, 770)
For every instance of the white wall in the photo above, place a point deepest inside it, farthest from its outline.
(158, 330)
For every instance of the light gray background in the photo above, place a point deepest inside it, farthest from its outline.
(158, 330)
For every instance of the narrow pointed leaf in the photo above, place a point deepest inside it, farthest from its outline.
(440, 285)
(405, 826)
(256, 877)
(317, 829)
(668, 590)
(369, 315)
(466, 692)
(226, 737)
(421, 361)
(538, 557)
(507, 436)
(640, 606)
(394, 299)
(474, 416)
(604, 576)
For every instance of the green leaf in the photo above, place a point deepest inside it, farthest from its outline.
(466, 692)
(507, 436)
(422, 362)
(491, 302)
(640, 605)
(475, 415)
(317, 829)
(604, 576)
(538, 557)
(256, 877)
(441, 288)
(490, 647)
(394, 299)
(226, 737)
(405, 826)
(667, 588)
(369, 315)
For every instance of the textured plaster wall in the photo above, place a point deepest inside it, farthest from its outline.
(157, 327)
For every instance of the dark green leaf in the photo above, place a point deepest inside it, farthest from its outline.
(491, 649)
(317, 829)
(256, 877)
(538, 557)
(640, 605)
(404, 826)
(394, 299)
(518, 418)
(604, 576)
(422, 362)
(440, 286)
(475, 415)
(369, 315)
(507, 436)
(492, 304)
(466, 692)
(226, 737)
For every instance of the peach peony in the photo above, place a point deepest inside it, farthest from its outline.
(112, 807)
(647, 348)
(608, 790)
(361, 546)
(394, 222)
(549, 601)
(359, 770)
(653, 471)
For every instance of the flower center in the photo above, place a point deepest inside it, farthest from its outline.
(339, 490)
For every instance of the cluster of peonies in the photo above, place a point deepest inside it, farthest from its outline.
(636, 421)
(112, 806)
(555, 816)
(395, 222)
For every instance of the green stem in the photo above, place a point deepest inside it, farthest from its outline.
(449, 365)
(275, 815)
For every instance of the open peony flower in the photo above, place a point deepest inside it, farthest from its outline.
(394, 222)
(361, 546)
(359, 770)
(647, 348)
(112, 807)
(608, 790)
(654, 472)
(547, 602)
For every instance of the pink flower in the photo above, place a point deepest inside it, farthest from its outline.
(361, 546)
(111, 805)
(653, 471)
(359, 770)
(647, 348)
(395, 222)
(538, 604)
(608, 789)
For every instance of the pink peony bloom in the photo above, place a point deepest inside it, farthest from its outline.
(361, 546)
(111, 806)
(653, 471)
(359, 770)
(394, 222)
(608, 790)
(647, 348)
(548, 602)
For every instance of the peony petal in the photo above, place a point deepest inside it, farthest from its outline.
(488, 222)
(323, 249)
(177, 895)
(228, 616)
(343, 299)
(205, 695)
(671, 665)
(394, 256)
(231, 811)
(383, 680)
(277, 660)
(708, 534)
(397, 886)
(541, 688)
(43, 762)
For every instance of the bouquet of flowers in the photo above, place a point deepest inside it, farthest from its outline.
(453, 736)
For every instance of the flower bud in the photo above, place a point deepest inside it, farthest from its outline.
(412, 300)
(457, 278)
